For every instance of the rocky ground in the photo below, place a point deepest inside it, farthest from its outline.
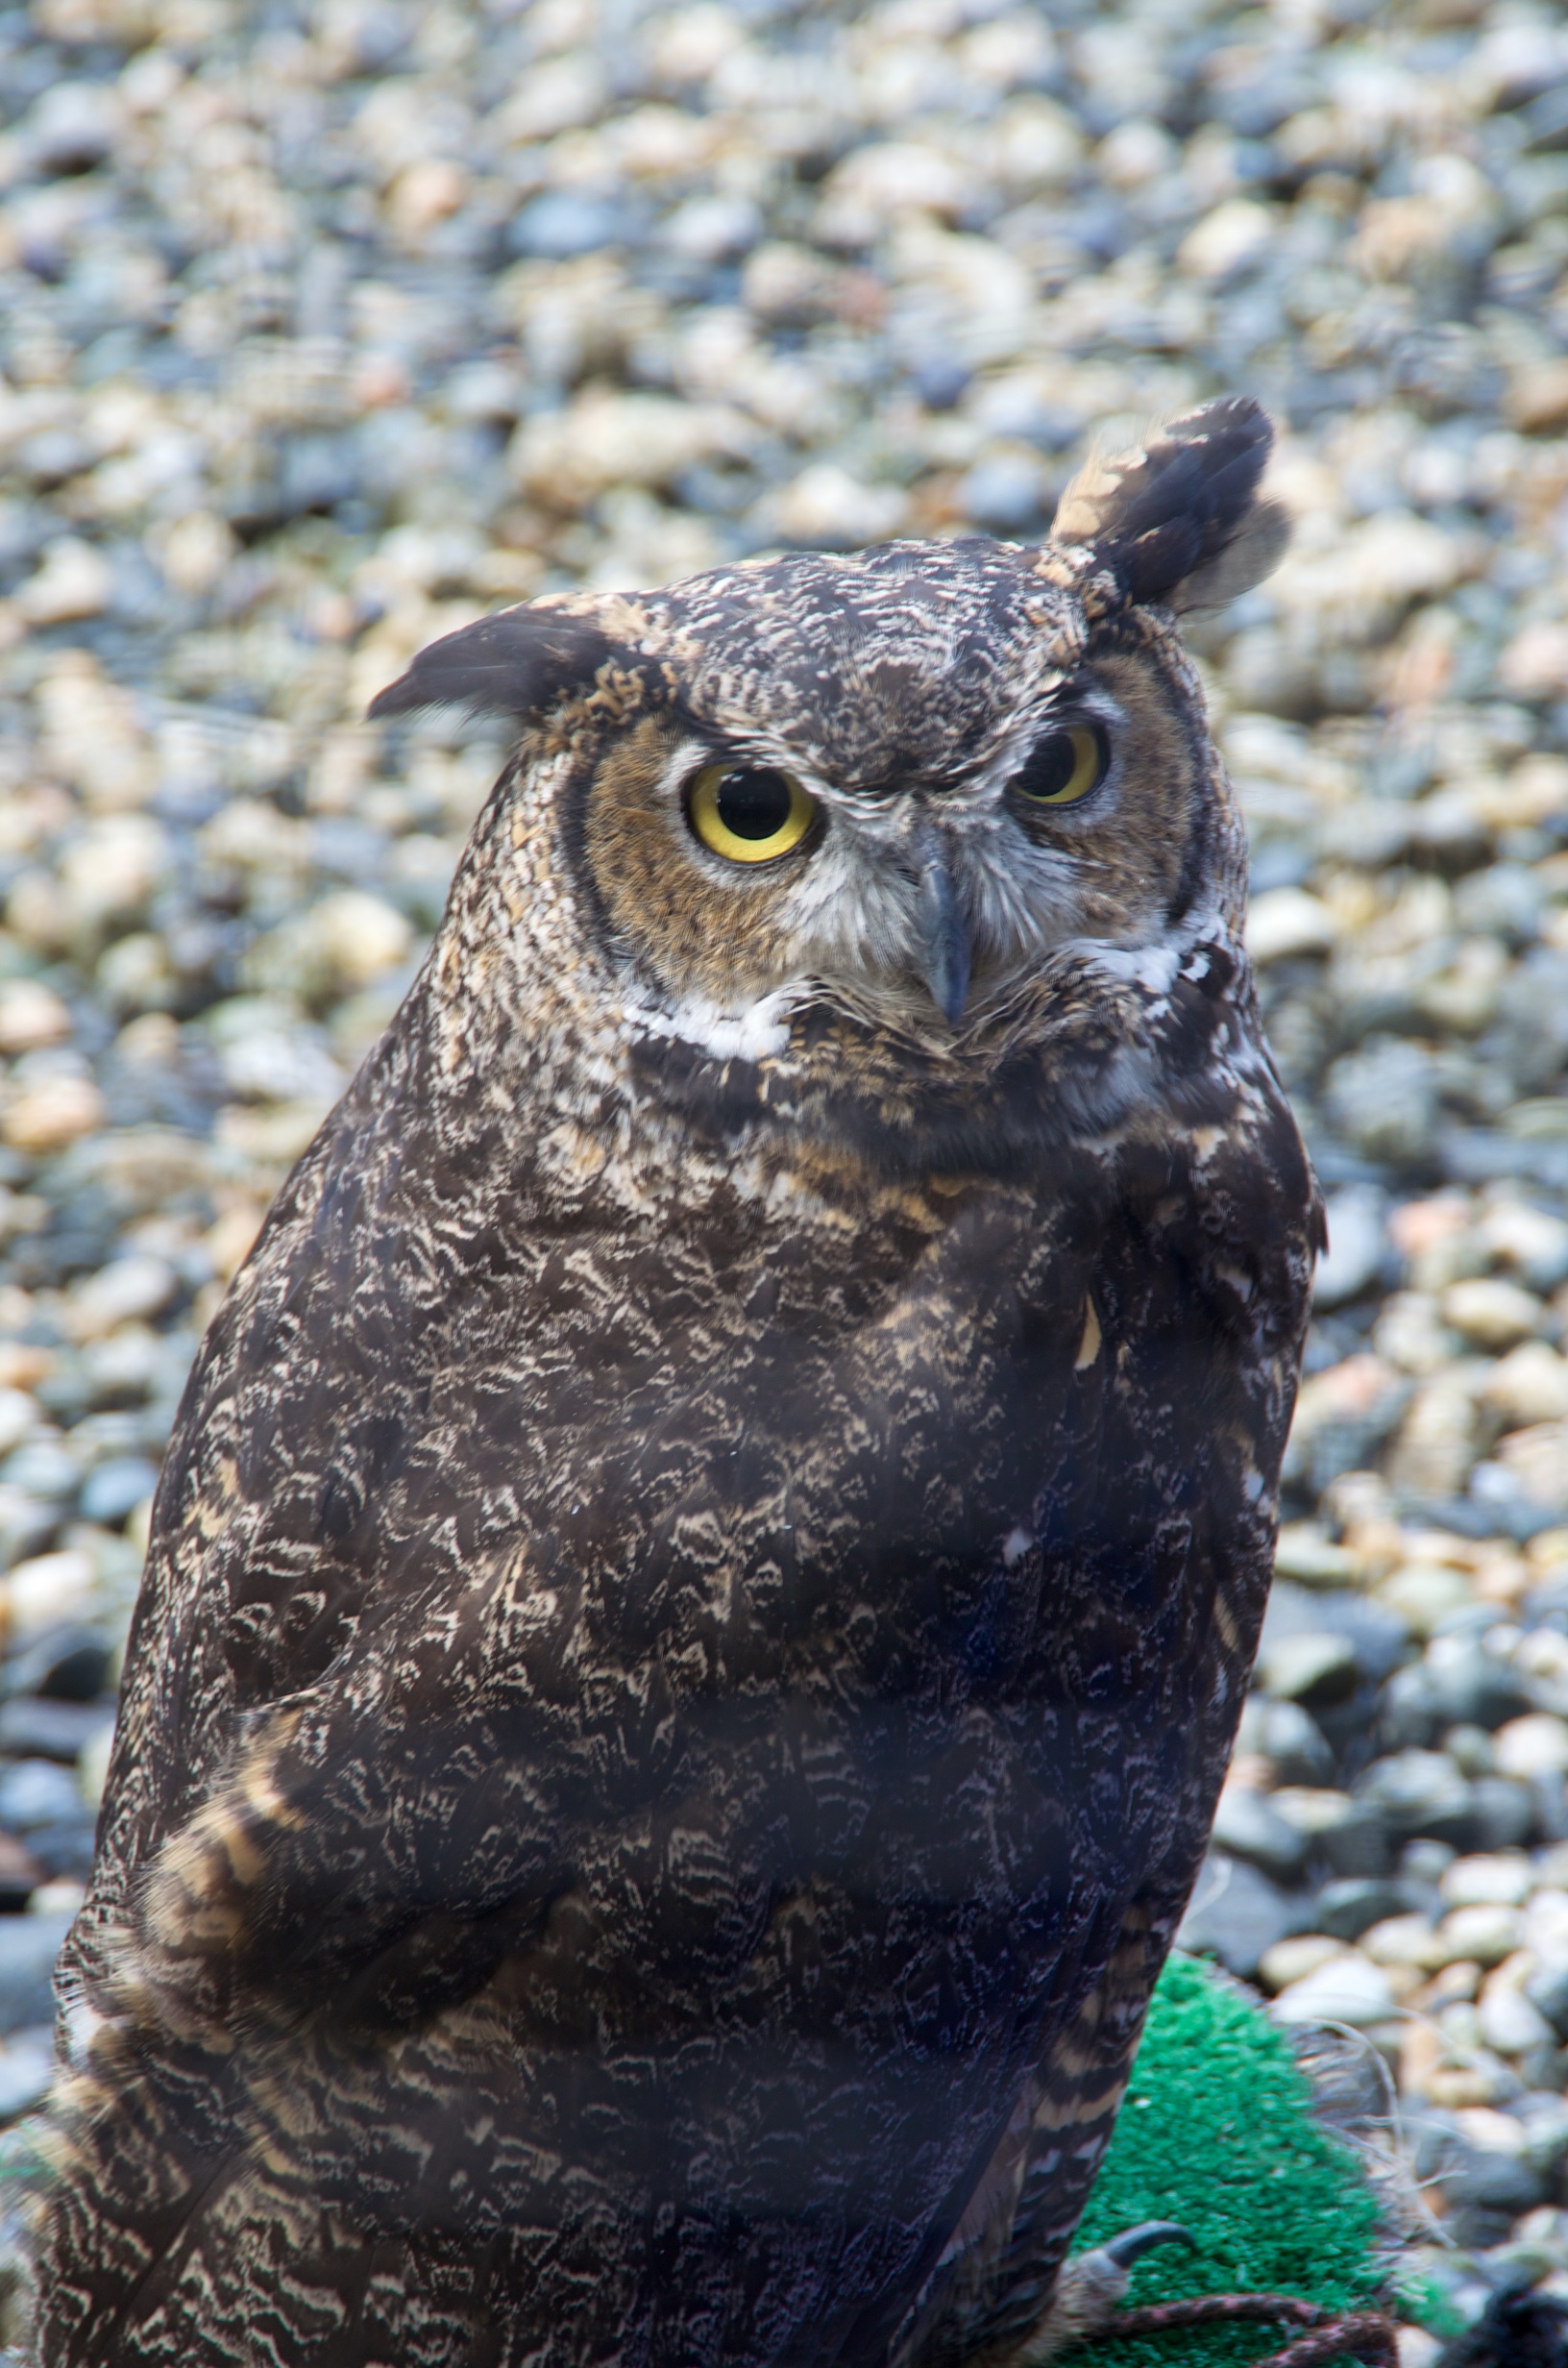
(323, 327)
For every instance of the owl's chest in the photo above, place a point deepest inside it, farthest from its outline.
(900, 1613)
(888, 1443)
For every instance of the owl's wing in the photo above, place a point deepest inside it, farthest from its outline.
(384, 1844)
(344, 1771)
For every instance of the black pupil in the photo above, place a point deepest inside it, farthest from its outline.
(753, 805)
(1049, 767)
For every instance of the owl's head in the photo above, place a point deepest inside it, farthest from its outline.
(930, 842)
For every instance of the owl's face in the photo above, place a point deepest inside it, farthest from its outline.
(881, 842)
(862, 810)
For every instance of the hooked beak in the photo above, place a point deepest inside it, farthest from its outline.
(945, 936)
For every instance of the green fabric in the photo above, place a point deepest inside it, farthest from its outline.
(1216, 2131)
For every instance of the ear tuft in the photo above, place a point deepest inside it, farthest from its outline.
(1179, 518)
(509, 665)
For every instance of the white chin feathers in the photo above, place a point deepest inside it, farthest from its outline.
(752, 1034)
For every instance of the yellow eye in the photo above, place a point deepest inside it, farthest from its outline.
(1064, 766)
(748, 814)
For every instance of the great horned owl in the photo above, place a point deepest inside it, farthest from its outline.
(710, 1560)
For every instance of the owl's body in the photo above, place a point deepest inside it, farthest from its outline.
(709, 1565)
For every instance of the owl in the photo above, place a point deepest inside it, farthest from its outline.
(710, 1560)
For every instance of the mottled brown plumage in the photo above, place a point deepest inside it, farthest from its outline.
(709, 1564)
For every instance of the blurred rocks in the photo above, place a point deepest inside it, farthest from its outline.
(319, 340)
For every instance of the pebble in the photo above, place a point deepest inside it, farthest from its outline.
(1236, 1914)
(1494, 1313)
(26, 2069)
(1511, 2024)
(1504, 1880)
(54, 1730)
(1408, 1941)
(1246, 1825)
(1292, 1959)
(34, 1792)
(1345, 1989)
(1348, 1907)
(1282, 923)
(1315, 1668)
(1358, 1242)
(45, 1588)
(508, 301)
(1534, 1745)
(29, 1945)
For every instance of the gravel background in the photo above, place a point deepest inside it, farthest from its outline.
(323, 329)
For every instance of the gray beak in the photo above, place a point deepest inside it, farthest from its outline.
(945, 937)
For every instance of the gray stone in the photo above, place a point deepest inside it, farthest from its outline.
(1236, 1914)
(1457, 1683)
(50, 1730)
(1316, 1668)
(65, 1850)
(115, 1488)
(1006, 494)
(1384, 1099)
(29, 1945)
(1349, 1905)
(1505, 1813)
(566, 222)
(34, 1792)
(1504, 900)
(1247, 1828)
(1377, 1636)
(1548, 1989)
(1485, 2191)
(1545, 2119)
(1357, 1245)
(69, 1664)
(1422, 1793)
(26, 2071)
(74, 126)
(1359, 1844)
(43, 1469)
(1291, 1738)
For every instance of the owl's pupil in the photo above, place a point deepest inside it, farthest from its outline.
(753, 804)
(1049, 767)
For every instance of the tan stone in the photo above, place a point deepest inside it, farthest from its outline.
(1528, 1385)
(46, 1116)
(1538, 397)
(1484, 1934)
(75, 581)
(1291, 1960)
(32, 1016)
(1534, 663)
(1424, 1594)
(1491, 1310)
(1405, 1940)
(1232, 235)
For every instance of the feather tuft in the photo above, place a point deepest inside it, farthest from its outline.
(513, 663)
(1177, 519)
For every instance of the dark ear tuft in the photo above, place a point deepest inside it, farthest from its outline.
(509, 665)
(1179, 519)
